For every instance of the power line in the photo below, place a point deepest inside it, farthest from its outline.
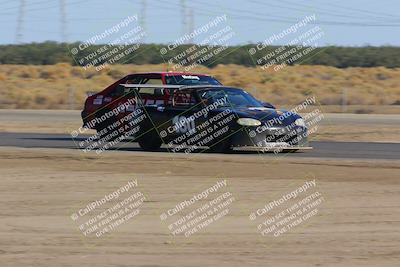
(376, 14)
(286, 19)
(5, 2)
(52, 6)
(308, 9)
(29, 4)
(263, 17)
(365, 11)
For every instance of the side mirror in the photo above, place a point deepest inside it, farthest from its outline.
(268, 105)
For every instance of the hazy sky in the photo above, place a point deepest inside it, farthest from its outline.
(345, 22)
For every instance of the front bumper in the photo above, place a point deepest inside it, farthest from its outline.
(277, 149)
(271, 139)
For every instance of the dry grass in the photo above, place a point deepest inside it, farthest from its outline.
(57, 86)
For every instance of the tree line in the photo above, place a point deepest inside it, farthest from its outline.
(48, 53)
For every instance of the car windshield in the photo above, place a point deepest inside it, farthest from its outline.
(234, 97)
(191, 80)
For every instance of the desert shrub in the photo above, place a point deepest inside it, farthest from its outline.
(63, 70)
(283, 88)
(77, 72)
(116, 74)
(49, 74)
(330, 99)
(40, 100)
(28, 72)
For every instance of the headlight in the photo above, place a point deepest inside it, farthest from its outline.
(248, 122)
(300, 122)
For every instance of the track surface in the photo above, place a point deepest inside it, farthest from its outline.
(361, 150)
(73, 116)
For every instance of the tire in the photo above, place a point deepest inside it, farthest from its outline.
(150, 141)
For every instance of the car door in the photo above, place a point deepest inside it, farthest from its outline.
(180, 119)
(124, 97)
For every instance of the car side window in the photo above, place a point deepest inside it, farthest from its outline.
(150, 91)
(184, 99)
(152, 81)
(120, 90)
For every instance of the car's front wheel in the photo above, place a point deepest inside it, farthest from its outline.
(150, 141)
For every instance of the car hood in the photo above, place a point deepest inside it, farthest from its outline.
(263, 114)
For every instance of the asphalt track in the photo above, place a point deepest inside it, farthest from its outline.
(352, 150)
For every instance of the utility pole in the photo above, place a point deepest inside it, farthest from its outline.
(20, 22)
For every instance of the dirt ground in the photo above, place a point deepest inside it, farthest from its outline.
(357, 224)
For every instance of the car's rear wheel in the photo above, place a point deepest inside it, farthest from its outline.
(150, 141)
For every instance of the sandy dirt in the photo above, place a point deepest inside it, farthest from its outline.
(357, 224)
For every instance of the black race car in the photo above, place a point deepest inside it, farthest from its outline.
(213, 117)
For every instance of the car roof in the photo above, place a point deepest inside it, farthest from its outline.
(180, 87)
(208, 86)
(170, 73)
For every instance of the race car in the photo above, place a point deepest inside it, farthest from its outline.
(213, 117)
(115, 95)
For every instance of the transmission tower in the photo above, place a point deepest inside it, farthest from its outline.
(20, 22)
(63, 22)
(191, 25)
(184, 17)
(142, 19)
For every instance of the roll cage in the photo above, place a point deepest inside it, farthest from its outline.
(173, 89)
